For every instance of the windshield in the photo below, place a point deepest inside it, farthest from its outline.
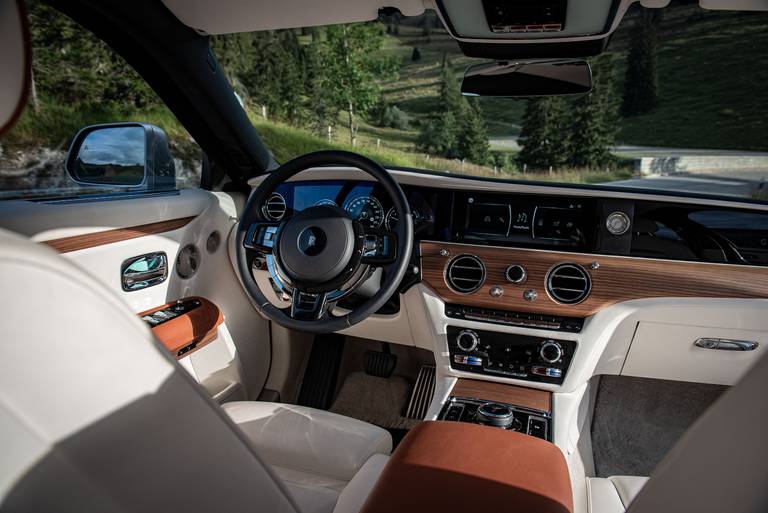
(678, 102)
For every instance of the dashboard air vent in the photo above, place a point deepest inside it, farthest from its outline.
(274, 208)
(568, 284)
(465, 274)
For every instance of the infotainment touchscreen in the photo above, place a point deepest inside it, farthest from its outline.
(522, 219)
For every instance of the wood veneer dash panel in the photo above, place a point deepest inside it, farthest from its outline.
(616, 279)
(510, 394)
(90, 240)
(199, 325)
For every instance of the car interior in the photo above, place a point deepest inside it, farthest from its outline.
(328, 334)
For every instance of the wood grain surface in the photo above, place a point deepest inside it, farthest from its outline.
(616, 279)
(199, 325)
(91, 240)
(510, 394)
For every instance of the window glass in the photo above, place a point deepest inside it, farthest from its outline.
(79, 81)
(679, 102)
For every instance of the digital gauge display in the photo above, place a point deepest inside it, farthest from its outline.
(367, 210)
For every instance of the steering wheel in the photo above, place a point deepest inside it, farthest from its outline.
(322, 254)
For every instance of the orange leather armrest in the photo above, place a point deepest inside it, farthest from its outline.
(459, 467)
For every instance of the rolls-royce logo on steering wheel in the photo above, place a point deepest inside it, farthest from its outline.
(312, 241)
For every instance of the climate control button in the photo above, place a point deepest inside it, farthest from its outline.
(467, 340)
(550, 351)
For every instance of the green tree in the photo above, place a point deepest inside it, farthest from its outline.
(352, 67)
(460, 124)
(640, 80)
(541, 136)
(472, 140)
(592, 120)
(438, 136)
(73, 67)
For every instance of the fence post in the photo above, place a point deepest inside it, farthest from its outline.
(330, 134)
(462, 166)
(378, 144)
(264, 112)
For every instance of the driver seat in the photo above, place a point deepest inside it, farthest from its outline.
(95, 416)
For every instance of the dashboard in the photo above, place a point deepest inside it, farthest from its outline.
(548, 254)
(539, 262)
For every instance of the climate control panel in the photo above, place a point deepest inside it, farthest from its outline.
(510, 355)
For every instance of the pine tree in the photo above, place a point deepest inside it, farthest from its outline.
(640, 80)
(541, 136)
(592, 120)
(459, 130)
(472, 139)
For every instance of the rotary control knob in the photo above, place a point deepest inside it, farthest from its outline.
(495, 414)
(550, 351)
(467, 340)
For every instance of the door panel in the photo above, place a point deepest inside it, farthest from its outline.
(99, 236)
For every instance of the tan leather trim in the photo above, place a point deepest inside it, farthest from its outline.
(458, 467)
(499, 392)
(198, 326)
(616, 279)
(90, 240)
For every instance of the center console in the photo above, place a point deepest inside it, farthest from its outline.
(544, 360)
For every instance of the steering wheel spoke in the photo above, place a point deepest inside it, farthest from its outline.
(379, 248)
(309, 307)
(261, 236)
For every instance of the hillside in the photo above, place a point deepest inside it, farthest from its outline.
(704, 103)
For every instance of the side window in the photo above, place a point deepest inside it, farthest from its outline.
(78, 82)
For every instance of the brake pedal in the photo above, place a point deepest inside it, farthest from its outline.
(380, 363)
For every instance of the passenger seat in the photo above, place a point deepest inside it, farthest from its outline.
(612, 494)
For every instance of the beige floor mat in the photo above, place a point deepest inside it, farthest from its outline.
(380, 401)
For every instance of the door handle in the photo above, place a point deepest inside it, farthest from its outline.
(144, 271)
(726, 344)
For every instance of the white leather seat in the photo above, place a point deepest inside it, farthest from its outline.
(95, 416)
(314, 452)
(613, 494)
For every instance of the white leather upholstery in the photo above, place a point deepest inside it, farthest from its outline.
(613, 494)
(354, 494)
(315, 453)
(95, 417)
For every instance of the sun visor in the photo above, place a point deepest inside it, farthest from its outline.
(228, 16)
(15, 61)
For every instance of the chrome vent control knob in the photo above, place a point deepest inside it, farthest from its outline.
(550, 351)
(467, 340)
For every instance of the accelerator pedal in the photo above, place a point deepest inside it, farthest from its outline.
(380, 363)
(423, 390)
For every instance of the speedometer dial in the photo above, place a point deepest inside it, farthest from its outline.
(367, 210)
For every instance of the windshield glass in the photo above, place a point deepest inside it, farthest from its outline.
(678, 102)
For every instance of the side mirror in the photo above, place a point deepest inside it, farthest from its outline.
(527, 79)
(130, 155)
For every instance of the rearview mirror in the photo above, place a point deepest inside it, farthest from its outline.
(131, 155)
(527, 79)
